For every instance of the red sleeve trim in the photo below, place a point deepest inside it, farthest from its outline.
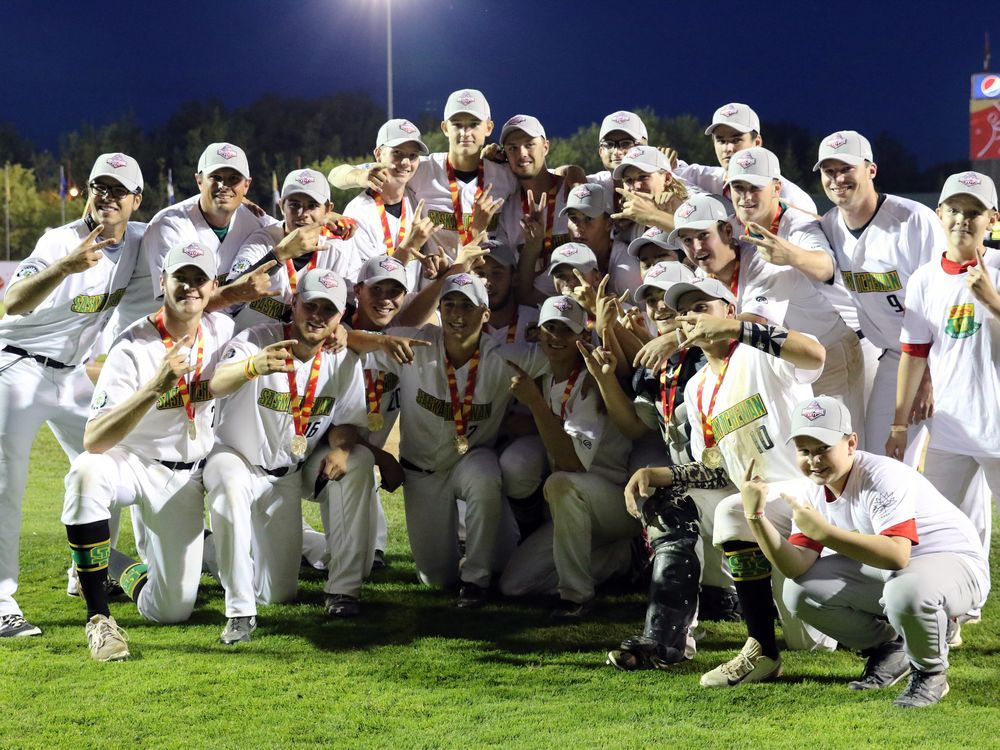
(917, 350)
(801, 540)
(907, 529)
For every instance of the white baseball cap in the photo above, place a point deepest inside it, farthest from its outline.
(590, 199)
(500, 252)
(737, 116)
(307, 182)
(627, 122)
(574, 254)
(662, 276)
(978, 185)
(756, 165)
(397, 132)
(646, 158)
(191, 254)
(381, 268)
(527, 124)
(652, 236)
(564, 309)
(120, 167)
(221, 155)
(471, 286)
(320, 283)
(712, 287)
(823, 417)
(469, 102)
(700, 211)
(848, 146)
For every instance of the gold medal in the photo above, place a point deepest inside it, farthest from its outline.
(712, 457)
(375, 421)
(462, 444)
(299, 446)
(192, 430)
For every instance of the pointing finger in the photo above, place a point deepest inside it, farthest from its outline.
(267, 266)
(516, 368)
(749, 472)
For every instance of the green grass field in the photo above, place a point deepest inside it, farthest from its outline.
(414, 671)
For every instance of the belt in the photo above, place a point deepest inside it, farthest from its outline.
(45, 361)
(410, 466)
(182, 466)
(283, 471)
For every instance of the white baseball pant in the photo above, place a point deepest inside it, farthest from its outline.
(523, 466)
(952, 474)
(171, 507)
(843, 377)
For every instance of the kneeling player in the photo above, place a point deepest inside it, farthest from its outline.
(151, 428)
(903, 553)
(284, 391)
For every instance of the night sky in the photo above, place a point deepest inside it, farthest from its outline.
(871, 66)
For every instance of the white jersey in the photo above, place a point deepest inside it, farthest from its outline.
(964, 358)
(162, 433)
(509, 230)
(875, 268)
(184, 222)
(257, 421)
(427, 427)
(752, 413)
(884, 497)
(388, 405)
(65, 325)
(369, 238)
(332, 255)
(713, 180)
(516, 332)
(598, 443)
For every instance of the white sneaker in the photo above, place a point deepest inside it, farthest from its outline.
(107, 641)
(749, 665)
(72, 582)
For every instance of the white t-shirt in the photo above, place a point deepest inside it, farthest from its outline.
(427, 427)
(184, 222)
(333, 255)
(65, 325)
(162, 433)
(257, 421)
(884, 497)
(527, 317)
(713, 180)
(964, 359)
(876, 268)
(752, 413)
(369, 238)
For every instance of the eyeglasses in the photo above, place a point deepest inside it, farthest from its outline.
(115, 191)
(623, 145)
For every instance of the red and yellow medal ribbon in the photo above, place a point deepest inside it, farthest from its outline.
(374, 388)
(462, 409)
(668, 391)
(568, 390)
(293, 275)
(512, 328)
(706, 425)
(390, 246)
(184, 386)
(464, 232)
(302, 409)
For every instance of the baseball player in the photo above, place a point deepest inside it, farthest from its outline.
(650, 191)
(736, 127)
(453, 399)
(509, 322)
(289, 399)
(739, 405)
(461, 191)
(949, 329)
(586, 455)
(871, 540)
(878, 240)
(151, 428)
(293, 247)
(59, 299)
(620, 132)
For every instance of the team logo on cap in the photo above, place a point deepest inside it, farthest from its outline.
(466, 98)
(634, 153)
(390, 265)
(746, 161)
(582, 192)
(305, 178)
(563, 304)
(658, 270)
(729, 110)
(516, 120)
(969, 179)
(462, 279)
(407, 127)
(227, 152)
(813, 411)
(329, 281)
(836, 141)
(193, 251)
(621, 117)
(117, 161)
(653, 232)
(686, 210)
(567, 251)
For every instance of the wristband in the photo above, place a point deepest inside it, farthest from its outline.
(755, 516)
(767, 338)
(898, 428)
(250, 369)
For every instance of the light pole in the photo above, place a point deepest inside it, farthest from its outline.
(388, 55)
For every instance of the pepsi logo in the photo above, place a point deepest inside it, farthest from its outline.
(836, 141)
(686, 210)
(329, 281)
(407, 127)
(390, 265)
(117, 161)
(193, 251)
(729, 110)
(563, 304)
(970, 178)
(582, 192)
(227, 152)
(466, 98)
(621, 117)
(990, 86)
(813, 411)
(305, 178)
(746, 161)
